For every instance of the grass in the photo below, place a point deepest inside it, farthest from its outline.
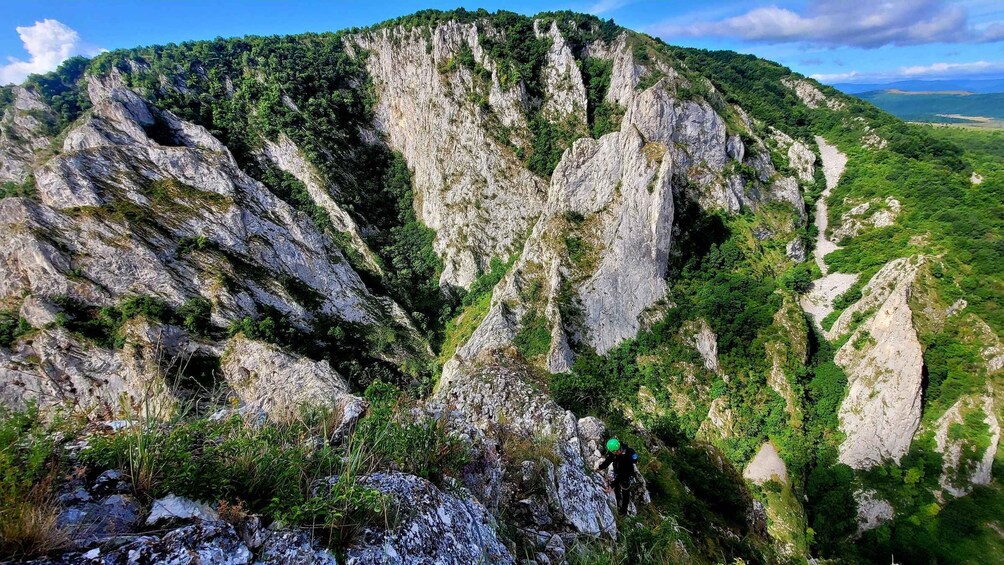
(28, 472)
(291, 472)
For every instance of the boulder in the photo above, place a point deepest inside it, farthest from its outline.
(281, 384)
(433, 527)
(176, 508)
(766, 466)
(198, 544)
(289, 547)
(87, 523)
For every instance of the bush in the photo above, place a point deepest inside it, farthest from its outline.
(28, 472)
(196, 314)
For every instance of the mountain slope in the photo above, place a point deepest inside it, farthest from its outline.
(539, 214)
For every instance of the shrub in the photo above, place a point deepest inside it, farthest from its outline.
(195, 315)
(28, 471)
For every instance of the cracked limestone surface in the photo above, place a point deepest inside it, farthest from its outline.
(23, 134)
(434, 527)
(268, 379)
(883, 361)
(496, 388)
(470, 188)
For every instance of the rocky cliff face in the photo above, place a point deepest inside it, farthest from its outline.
(472, 190)
(132, 203)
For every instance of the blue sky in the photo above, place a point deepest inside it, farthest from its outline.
(832, 40)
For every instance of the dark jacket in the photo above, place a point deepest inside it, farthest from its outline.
(623, 463)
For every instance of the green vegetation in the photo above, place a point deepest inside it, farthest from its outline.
(12, 327)
(281, 471)
(24, 189)
(474, 307)
(534, 337)
(104, 324)
(28, 473)
(64, 91)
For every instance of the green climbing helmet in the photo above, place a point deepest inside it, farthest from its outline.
(613, 444)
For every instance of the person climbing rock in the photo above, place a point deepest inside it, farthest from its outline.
(623, 459)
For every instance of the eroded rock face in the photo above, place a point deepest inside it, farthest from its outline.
(810, 95)
(870, 214)
(203, 542)
(284, 154)
(873, 511)
(433, 527)
(565, 94)
(698, 334)
(113, 214)
(56, 368)
(281, 384)
(476, 194)
(883, 361)
(22, 134)
(766, 466)
(495, 388)
(800, 158)
(960, 473)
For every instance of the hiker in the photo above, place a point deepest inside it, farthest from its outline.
(623, 459)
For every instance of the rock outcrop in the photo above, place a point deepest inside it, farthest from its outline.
(433, 527)
(810, 95)
(867, 215)
(766, 466)
(24, 131)
(114, 210)
(966, 461)
(471, 189)
(883, 361)
(266, 378)
(496, 389)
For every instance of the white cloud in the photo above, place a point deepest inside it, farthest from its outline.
(48, 43)
(973, 69)
(829, 78)
(604, 6)
(836, 23)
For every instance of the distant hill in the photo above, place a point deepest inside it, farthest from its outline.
(976, 86)
(939, 107)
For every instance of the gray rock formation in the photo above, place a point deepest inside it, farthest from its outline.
(698, 334)
(23, 135)
(496, 389)
(873, 511)
(176, 508)
(284, 154)
(810, 95)
(870, 214)
(433, 527)
(266, 378)
(959, 474)
(472, 190)
(56, 368)
(112, 209)
(766, 466)
(883, 360)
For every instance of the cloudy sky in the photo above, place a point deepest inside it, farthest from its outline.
(831, 40)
